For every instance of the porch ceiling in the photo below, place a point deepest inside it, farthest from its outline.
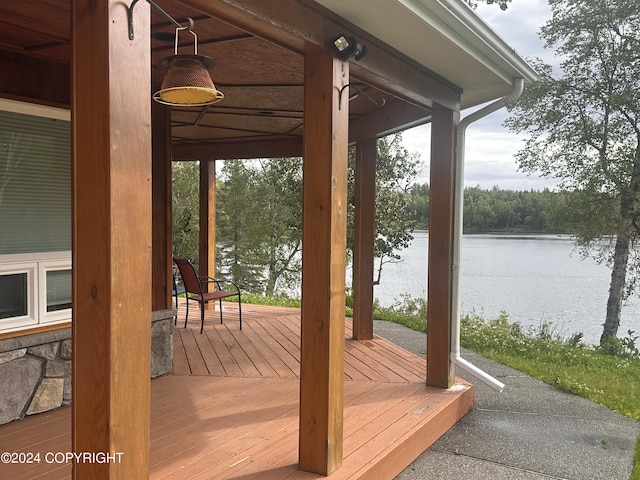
(259, 65)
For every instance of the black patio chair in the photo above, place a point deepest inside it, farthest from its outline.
(195, 291)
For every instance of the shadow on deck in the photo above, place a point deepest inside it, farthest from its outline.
(230, 408)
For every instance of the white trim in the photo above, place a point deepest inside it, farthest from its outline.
(36, 110)
(30, 269)
(56, 316)
(36, 266)
(35, 257)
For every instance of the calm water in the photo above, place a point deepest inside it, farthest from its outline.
(535, 279)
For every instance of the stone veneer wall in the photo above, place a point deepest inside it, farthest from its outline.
(35, 370)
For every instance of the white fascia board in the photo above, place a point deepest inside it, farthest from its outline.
(463, 27)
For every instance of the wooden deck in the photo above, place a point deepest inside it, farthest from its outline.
(230, 408)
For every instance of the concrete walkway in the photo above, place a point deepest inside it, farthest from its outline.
(529, 431)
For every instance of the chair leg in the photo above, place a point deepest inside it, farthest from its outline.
(240, 311)
(175, 318)
(220, 307)
(186, 316)
(201, 317)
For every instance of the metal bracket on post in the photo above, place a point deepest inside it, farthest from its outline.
(157, 7)
(341, 91)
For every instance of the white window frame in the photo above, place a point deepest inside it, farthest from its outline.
(36, 266)
(45, 267)
(31, 318)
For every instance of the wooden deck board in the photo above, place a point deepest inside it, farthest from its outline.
(230, 408)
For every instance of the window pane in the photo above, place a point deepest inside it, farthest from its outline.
(13, 295)
(35, 184)
(58, 290)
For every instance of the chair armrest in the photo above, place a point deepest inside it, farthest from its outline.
(219, 282)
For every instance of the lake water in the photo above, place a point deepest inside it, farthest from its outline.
(534, 278)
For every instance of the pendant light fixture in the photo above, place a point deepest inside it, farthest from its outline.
(187, 82)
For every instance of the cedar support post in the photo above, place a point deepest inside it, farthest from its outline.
(207, 257)
(363, 242)
(324, 262)
(161, 215)
(111, 239)
(440, 372)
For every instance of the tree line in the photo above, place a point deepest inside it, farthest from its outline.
(498, 210)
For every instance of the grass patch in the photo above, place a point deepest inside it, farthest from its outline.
(635, 475)
(609, 380)
(272, 301)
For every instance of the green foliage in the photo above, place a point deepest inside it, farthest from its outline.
(498, 210)
(280, 194)
(503, 4)
(259, 216)
(418, 205)
(237, 231)
(282, 301)
(396, 170)
(408, 311)
(185, 194)
(626, 347)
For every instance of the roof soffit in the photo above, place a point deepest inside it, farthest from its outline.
(445, 36)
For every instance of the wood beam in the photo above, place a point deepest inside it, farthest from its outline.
(393, 117)
(364, 237)
(440, 372)
(323, 263)
(35, 80)
(276, 148)
(207, 256)
(294, 24)
(111, 239)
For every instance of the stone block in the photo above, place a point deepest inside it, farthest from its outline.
(66, 398)
(48, 396)
(12, 355)
(48, 351)
(18, 379)
(54, 369)
(65, 350)
(161, 348)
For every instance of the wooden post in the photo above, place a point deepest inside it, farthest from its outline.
(323, 262)
(439, 291)
(111, 240)
(161, 208)
(363, 241)
(207, 260)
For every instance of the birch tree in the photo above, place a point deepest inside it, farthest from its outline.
(582, 125)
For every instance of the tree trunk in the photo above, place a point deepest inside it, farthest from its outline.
(618, 277)
(272, 278)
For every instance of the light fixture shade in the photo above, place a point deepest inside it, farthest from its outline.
(187, 82)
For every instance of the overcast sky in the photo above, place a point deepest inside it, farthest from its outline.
(490, 147)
